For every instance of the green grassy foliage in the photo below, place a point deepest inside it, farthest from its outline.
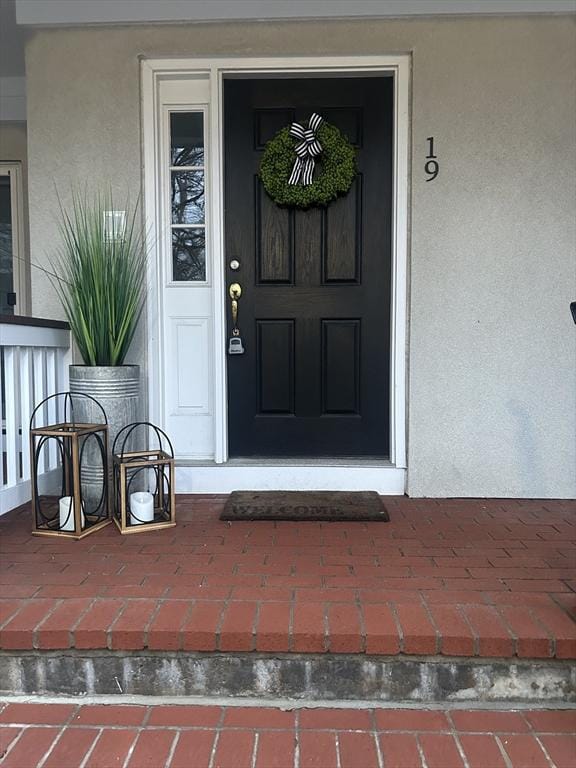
(100, 280)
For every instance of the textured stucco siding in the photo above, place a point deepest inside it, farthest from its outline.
(492, 348)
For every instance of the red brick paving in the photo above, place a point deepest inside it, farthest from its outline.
(561, 749)
(29, 747)
(186, 736)
(193, 748)
(111, 749)
(489, 578)
(399, 750)
(481, 750)
(152, 749)
(71, 747)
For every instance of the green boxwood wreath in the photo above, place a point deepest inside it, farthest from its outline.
(333, 175)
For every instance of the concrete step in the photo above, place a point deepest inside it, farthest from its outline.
(300, 677)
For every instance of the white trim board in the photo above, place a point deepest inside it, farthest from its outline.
(323, 476)
(203, 479)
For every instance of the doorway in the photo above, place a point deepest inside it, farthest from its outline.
(189, 321)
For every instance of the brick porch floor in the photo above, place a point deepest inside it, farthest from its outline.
(451, 577)
(71, 736)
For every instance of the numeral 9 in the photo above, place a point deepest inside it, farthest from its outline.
(431, 168)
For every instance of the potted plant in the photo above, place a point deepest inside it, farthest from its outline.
(101, 271)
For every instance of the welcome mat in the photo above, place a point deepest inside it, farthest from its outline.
(305, 505)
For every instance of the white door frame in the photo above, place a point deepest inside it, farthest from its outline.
(215, 70)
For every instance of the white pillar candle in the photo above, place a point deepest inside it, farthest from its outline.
(66, 509)
(141, 508)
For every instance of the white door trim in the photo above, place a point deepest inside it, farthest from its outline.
(216, 69)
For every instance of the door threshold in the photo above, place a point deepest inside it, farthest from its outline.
(293, 461)
(324, 474)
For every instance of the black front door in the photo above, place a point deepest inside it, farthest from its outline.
(314, 314)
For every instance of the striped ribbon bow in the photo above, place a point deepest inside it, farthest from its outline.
(306, 151)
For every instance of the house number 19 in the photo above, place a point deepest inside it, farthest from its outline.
(431, 167)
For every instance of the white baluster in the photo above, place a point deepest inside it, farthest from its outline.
(62, 383)
(3, 480)
(25, 407)
(64, 361)
(11, 390)
(39, 395)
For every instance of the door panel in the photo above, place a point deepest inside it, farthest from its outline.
(341, 367)
(275, 252)
(315, 305)
(343, 250)
(275, 366)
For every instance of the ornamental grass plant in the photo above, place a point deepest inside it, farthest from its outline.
(99, 274)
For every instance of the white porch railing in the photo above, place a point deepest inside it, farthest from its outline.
(33, 365)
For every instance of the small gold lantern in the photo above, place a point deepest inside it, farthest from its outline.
(69, 461)
(144, 496)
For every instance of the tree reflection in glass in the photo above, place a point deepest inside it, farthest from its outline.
(188, 255)
(187, 195)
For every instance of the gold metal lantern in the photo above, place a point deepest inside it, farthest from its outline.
(69, 460)
(144, 495)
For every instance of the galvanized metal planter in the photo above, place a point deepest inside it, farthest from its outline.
(117, 389)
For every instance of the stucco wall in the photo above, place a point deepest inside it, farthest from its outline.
(492, 348)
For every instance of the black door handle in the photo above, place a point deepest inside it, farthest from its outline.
(573, 310)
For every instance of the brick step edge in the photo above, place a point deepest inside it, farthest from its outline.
(402, 628)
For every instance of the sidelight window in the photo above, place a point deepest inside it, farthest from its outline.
(187, 196)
